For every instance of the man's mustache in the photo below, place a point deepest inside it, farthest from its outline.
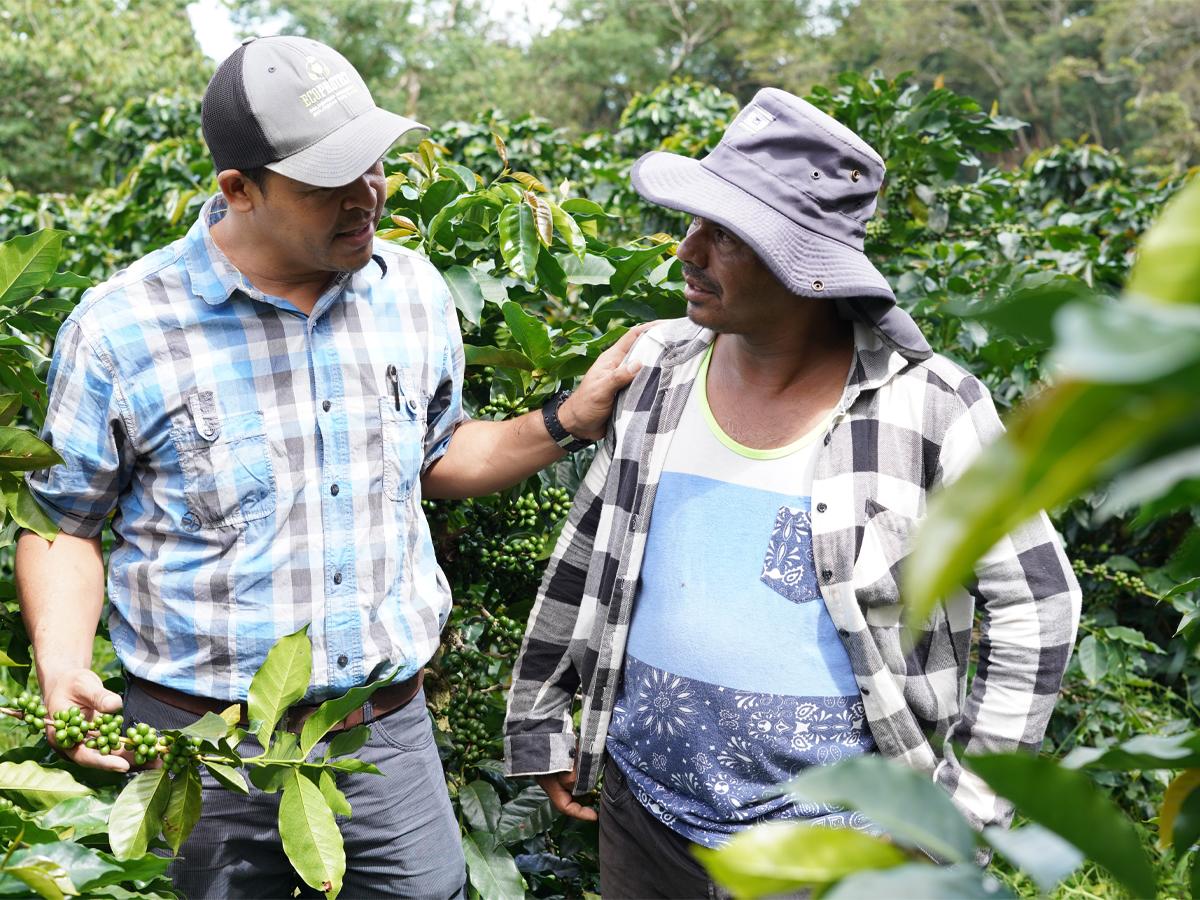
(693, 274)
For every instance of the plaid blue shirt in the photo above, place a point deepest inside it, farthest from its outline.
(261, 467)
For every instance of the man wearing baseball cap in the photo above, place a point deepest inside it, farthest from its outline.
(724, 593)
(260, 407)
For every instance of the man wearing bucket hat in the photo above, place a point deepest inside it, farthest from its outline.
(263, 404)
(724, 593)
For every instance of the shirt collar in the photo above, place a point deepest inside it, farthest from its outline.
(214, 277)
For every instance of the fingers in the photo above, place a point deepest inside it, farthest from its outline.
(557, 787)
(577, 810)
(112, 762)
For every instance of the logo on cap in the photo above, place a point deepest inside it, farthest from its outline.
(755, 119)
(317, 70)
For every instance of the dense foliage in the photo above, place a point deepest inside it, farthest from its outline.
(545, 249)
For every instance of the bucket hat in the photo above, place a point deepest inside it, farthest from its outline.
(299, 108)
(798, 187)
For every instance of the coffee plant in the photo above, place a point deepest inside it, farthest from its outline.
(549, 255)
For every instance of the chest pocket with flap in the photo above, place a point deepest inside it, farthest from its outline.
(226, 460)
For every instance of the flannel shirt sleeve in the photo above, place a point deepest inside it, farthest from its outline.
(445, 412)
(89, 424)
(539, 730)
(1030, 602)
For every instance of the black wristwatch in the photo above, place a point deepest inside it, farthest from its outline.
(558, 434)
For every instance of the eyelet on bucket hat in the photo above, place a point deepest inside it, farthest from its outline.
(299, 108)
(798, 187)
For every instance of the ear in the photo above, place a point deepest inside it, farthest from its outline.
(242, 194)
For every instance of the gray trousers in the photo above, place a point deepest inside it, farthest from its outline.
(402, 840)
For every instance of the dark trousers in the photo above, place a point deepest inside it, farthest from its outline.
(401, 841)
(639, 856)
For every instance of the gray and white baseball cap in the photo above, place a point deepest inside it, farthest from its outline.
(299, 108)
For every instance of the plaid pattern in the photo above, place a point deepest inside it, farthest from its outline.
(261, 474)
(903, 427)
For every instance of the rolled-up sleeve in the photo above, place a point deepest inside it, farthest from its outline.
(89, 424)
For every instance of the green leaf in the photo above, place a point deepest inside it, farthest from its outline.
(527, 814)
(468, 298)
(183, 808)
(480, 805)
(630, 264)
(335, 798)
(1069, 804)
(228, 777)
(10, 406)
(28, 513)
(543, 220)
(591, 269)
(1167, 269)
(787, 856)
(310, 835)
(1146, 751)
(1093, 659)
(1132, 637)
(529, 332)
(280, 682)
(578, 206)
(569, 229)
(144, 869)
(15, 822)
(78, 817)
(906, 803)
(37, 787)
(494, 356)
(1038, 852)
(210, 727)
(519, 243)
(329, 713)
(45, 877)
(350, 741)
(85, 866)
(449, 211)
(27, 263)
(927, 882)
(21, 451)
(491, 869)
(269, 778)
(1057, 446)
(357, 766)
(137, 816)
(1185, 824)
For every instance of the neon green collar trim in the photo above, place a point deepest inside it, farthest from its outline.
(742, 449)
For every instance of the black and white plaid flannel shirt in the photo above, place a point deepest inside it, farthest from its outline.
(905, 425)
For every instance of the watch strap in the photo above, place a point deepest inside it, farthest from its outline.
(558, 433)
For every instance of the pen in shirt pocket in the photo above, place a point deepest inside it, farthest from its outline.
(393, 379)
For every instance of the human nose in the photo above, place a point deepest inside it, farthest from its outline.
(364, 192)
(692, 249)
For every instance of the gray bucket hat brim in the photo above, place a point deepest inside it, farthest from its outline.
(345, 154)
(806, 263)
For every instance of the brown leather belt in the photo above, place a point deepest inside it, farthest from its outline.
(383, 701)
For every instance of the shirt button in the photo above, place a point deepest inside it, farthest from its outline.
(325, 406)
(342, 661)
(865, 691)
(821, 507)
(334, 490)
(190, 522)
(337, 579)
(827, 574)
(843, 632)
